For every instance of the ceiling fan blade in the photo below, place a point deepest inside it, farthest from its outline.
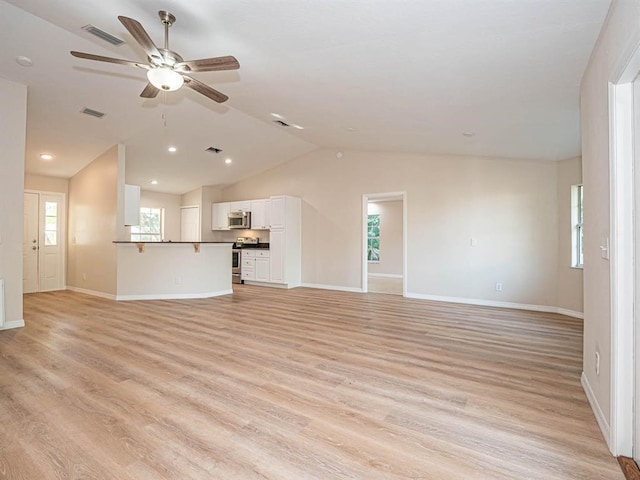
(149, 91)
(209, 64)
(140, 35)
(205, 90)
(100, 58)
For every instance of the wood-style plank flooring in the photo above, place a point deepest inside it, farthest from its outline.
(300, 384)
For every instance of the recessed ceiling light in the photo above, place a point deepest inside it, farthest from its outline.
(275, 115)
(24, 61)
(228, 161)
(297, 126)
(468, 134)
(46, 156)
(153, 182)
(172, 149)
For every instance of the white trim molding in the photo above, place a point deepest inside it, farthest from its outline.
(14, 324)
(332, 287)
(386, 275)
(491, 303)
(93, 293)
(595, 406)
(173, 296)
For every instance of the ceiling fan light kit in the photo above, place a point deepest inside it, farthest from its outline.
(163, 78)
(166, 70)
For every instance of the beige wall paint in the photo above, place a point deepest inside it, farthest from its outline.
(569, 279)
(13, 98)
(93, 213)
(171, 204)
(390, 237)
(46, 184)
(619, 38)
(508, 206)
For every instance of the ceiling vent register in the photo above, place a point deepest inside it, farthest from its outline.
(101, 34)
(93, 113)
(213, 150)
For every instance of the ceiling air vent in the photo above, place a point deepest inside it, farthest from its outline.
(281, 123)
(93, 113)
(213, 150)
(101, 34)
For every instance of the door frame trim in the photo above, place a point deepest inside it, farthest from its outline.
(365, 202)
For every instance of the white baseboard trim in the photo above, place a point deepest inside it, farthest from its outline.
(570, 313)
(14, 324)
(332, 287)
(385, 275)
(597, 411)
(173, 296)
(267, 284)
(492, 303)
(94, 293)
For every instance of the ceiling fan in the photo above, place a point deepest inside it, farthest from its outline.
(166, 70)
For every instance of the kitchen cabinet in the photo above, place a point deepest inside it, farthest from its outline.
(242, 206)
(277, 208)
(255, 265)
(220, 216)
(131, 205)
(260, 214)
(285, 240)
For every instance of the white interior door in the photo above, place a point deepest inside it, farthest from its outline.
(30, 244)
(190, 224)
(50, 258)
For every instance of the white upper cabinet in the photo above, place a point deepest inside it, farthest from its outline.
(131, 205)
(277, 212)
(260, 214)
(242, 206)
(220, 216)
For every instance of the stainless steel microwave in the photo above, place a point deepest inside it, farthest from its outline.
(240, 220)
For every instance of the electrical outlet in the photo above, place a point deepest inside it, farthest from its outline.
(597, 363)
(473, 242)
(84, 277)
(498, 287)
(178, 280)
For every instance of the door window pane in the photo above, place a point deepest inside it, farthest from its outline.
(50, 223)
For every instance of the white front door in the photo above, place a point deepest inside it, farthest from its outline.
(30, 244)
(50, 260)
(190, 224)
(43, 243)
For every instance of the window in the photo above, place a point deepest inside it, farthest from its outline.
(50, 224)
(151, 226)
(373, 238)
(577, 236)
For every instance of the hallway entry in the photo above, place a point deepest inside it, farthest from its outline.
(44, 241)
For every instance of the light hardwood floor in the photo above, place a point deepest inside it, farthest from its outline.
(300, 384)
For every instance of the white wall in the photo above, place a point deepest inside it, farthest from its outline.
(93, 225)
(619, 38)
(390, 237)
(509, 206)
(570, 296)
(13, 98)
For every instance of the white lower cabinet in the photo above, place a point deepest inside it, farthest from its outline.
(276, 247)
(255, 265)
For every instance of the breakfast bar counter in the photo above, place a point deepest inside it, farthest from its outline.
(173, 270)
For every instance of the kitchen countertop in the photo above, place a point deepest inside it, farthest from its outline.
(166, 243)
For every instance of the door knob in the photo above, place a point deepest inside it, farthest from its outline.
(34, 248)
(34, 241)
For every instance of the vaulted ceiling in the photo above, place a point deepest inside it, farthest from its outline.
(466, 77)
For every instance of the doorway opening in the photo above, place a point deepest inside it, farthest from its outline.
(44, 241)
(384, 220)
(624, 101)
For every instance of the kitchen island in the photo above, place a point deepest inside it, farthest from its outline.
(173, 270)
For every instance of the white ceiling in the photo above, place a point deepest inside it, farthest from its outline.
(392, 75)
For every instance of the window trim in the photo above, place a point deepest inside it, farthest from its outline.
(577, 226)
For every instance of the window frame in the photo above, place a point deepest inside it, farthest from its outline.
(148, 236)
(577, 226)
(370, 238)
